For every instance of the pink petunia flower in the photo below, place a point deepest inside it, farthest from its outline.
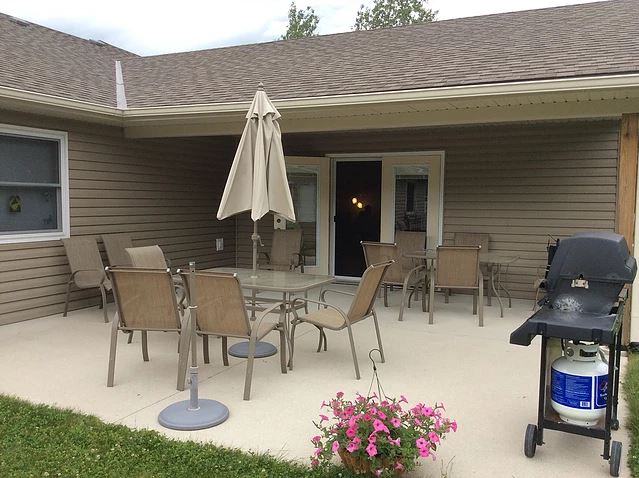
(379, 426)
(368, 417)
(323, 418)
(395, 441)
(433, 437)
(339, 394)
(379, 472)
(371, 449)
(381, 415)
(427, 411)
(351, 432)
(316, 439)
(314, 462)
(424, 452)
(402, 398)
(418, 422)
(396, 422)
(318, 451)
(453, 425)
(421, 442)
(399, 466)
(335, 446)
(372, 438)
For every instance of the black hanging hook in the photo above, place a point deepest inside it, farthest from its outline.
(375, 377)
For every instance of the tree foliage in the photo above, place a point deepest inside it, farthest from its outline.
(301, 23)
(393, 13)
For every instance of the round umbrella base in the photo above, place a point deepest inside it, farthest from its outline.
(178, 416)
(262, 349)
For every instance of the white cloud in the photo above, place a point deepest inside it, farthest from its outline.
(147, 27)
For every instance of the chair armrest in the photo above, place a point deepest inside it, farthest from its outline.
(320, 303)
(74, 273)
(323, 294)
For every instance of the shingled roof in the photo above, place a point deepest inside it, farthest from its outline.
(39, 59)
(562, 42)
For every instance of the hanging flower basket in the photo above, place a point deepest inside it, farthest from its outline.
(378, 437)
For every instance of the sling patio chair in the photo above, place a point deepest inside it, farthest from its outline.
(115, 246)
(221, 311)
(334, 318)
(286, 251)
(403, 273)
(145, 300)
(457, 267)
(87, 269)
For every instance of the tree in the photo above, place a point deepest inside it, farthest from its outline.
(393, 13)
(301, 23)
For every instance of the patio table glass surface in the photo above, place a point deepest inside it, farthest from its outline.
(494, 261)
(276, 281)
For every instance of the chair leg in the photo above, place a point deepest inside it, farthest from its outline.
(321, 340)
(205, 348)
(481, 303)
(112, 350)
(325, 340)
(66, 302)
(131, 338)
(385, 295)
(424, 297)
(431, 302)
(283, 350)
(249, 368)
(225, 351)
(104, 303)
(145, 347)
(306, 297)
(379, 337)
(446, 296)
(474, 302)
(350, 338)
(403, 303)
(292, 332)
(185, 345)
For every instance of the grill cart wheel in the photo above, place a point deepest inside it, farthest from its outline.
(615, 458)
(530, 442)
(614, 424)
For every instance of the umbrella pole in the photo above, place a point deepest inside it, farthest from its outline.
(193, 414)
(256, 239)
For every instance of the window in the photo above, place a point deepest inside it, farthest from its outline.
(34, 191)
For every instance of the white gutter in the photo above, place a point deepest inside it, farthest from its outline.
(58, 102)
(426, 94)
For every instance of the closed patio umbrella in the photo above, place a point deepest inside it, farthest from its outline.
(257, 180)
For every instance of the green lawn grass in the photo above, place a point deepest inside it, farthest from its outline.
(631, 388)
(38, 440)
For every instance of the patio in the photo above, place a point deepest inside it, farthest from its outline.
(487, 385)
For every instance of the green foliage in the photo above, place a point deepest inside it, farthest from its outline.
(631, 388)
(38, 440)
(393, 13)
(301, 23)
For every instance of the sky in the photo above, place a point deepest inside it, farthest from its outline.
(162, 26)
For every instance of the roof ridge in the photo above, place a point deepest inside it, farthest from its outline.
(378, 30)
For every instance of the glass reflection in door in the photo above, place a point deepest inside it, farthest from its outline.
(303, 180)
(411, 198)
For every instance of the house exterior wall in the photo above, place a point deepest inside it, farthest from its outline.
(518, 182)
(163, 192)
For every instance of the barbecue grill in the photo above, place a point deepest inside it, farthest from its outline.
(582, 305)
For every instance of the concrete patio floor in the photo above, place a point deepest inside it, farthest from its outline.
(487, 385)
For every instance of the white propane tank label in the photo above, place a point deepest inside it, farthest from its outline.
(577, 392)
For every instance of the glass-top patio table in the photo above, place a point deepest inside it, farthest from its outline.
(494, 262)
(284, 282)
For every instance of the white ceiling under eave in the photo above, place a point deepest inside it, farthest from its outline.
(404, 114)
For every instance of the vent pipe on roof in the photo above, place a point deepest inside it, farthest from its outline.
(120, 94)
(98, 42)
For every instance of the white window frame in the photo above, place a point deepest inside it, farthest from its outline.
(62, 138)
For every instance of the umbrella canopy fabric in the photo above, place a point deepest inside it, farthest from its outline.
(257, 180)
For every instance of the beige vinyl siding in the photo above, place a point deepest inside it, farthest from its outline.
(163, 192)
(517, 182)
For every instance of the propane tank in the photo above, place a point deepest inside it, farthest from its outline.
(579, 385)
